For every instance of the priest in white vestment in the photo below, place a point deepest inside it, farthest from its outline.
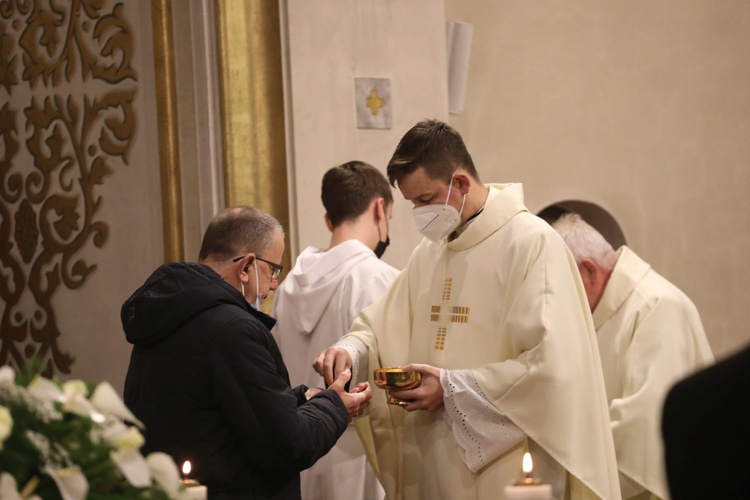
(650, 336)
(317, 302)
(491, 311)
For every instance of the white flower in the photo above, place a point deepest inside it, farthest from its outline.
(46, 390)
(6, 425)
(165, 473)
(75, 387)
(133, 466)
(72, 396)
(124, 438)
(47, 402)
(41, 443)
(128, 441)
(9, 489)
(7, 374)
(106, 400)
(70, 481)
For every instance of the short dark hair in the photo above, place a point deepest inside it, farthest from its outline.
(349, 189)
(238, 230)
(434, 145)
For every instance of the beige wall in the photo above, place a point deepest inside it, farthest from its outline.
(640, 107)
(328, 43)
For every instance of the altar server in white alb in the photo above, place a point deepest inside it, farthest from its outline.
(318, 301)
(491, 311)
(650, 335)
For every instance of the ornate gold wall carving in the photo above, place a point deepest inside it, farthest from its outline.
(59, 141)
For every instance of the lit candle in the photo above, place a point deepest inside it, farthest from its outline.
(194, 490)
(528, 487)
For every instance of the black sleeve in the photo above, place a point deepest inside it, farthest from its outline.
(276, 433)
(299, 391)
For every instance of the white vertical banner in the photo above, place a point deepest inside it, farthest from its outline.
(458, 37)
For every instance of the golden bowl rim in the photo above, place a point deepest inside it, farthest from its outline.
(411, 373)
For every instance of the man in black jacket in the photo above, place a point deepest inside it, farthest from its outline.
(707, 434)
(206, 376)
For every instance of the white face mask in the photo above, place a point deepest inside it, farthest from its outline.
(259, 296)
(435, 222)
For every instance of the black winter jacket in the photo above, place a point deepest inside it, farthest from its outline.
(207, 379)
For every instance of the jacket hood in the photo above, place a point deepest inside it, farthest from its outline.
(173, 294)
(317, 275)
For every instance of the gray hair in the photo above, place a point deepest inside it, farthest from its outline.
(584, 241)
(238, 230)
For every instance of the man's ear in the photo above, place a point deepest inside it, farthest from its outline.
(592, 270)
(462, 181)
(380, 208)
(329, 224)
(245, 275)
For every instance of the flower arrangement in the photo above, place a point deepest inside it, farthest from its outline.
(70, 441)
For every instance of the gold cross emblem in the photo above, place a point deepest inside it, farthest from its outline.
(445, 313)
(374, 102)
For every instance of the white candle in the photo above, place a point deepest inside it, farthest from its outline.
(528, 488)
(193, 489)
(529, 492)
(198, 492)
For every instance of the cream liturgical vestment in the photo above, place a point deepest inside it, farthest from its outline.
(505, 300)
(314, 306)
(650, 335)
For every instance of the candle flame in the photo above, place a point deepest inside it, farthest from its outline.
(186, 467)
(527, 464)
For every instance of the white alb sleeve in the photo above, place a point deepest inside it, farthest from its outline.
(482, 432)
(358, 352)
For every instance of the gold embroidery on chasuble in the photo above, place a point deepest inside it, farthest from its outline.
(446, 313)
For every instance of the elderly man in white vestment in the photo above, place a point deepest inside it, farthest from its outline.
(650, 335)
(492, 313)
(319, 299)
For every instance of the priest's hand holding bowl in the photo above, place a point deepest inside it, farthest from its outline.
(428, 396)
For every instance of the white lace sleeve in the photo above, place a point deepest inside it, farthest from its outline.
(482, 432)
(358, 352)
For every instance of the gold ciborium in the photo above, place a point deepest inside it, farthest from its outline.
(396, 378)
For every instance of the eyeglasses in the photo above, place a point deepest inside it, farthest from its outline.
(275, 268)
